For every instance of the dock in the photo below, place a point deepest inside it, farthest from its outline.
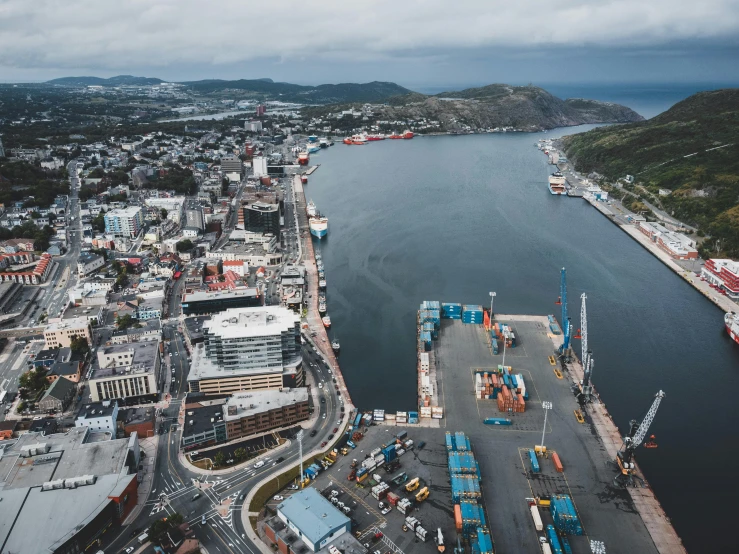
(313, 318)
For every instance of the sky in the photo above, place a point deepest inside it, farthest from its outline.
(418, 44)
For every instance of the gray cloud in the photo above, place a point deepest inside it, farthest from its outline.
(174, 36)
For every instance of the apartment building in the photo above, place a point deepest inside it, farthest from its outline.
(124, 222)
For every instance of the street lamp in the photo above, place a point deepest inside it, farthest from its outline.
(492, 298)
(547, 406)
(299, 436)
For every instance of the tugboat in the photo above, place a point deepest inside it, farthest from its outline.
(335, 345)
(326, 321)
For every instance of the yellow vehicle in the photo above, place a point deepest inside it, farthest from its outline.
(422, 495)
(412, 485)
(305, 483)
(344, 451)
(579, 417)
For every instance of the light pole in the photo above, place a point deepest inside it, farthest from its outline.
(492, 298)
(299, 436)
(504, 343)
(547, 406)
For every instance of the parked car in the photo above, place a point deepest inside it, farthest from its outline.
(259, 464)
(324, 443)
(278, 497)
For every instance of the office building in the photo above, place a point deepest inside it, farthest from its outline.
(231, 165)
(100, 417)
(124, 222)
(128, 372)
(210, 420)
(60, 333)
(261, 217)
(61, 493)
(203, 302)
(248, 349)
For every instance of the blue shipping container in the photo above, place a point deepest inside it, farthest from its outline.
(554, 540)
(497, 420)
(534, 461)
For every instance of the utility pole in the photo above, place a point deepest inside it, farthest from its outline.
(547, 406)
(492, 298)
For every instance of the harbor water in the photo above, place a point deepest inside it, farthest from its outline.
(452, 218)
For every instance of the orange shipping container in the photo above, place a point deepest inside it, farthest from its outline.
(458, 518)
(557, 463)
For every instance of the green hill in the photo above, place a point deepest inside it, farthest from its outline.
(691, 150)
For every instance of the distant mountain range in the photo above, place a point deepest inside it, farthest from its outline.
(262, 89)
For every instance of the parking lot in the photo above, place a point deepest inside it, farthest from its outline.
(383, 532)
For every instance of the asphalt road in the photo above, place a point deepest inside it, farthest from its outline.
(174, 486)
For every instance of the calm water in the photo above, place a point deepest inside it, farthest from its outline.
(451, 218)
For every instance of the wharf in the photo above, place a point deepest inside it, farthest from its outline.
(312, 169)
(313, 318)
(586, 450)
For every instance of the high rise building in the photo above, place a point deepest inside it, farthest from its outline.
(261, 217)
(248, 349)
(124, 222)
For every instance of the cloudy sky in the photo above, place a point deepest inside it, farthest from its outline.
(417, 43)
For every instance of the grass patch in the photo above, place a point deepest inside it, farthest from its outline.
(275, 485)
(253, 521)
(203, 464)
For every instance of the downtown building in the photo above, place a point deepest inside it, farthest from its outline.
(124, 222)
(247, 349)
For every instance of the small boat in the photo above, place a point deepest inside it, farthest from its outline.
(311, 210)
(321, 308)
(312, 147)
(312, 138)
(356, 139)
(322, 284)
(335, 345)
(304, 179)
(326, 321)
(323, 143)
(408, 134)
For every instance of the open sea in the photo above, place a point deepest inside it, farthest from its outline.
(452, 218)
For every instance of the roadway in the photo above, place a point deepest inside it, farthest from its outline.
(220, 495)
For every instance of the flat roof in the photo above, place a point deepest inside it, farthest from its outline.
(97, 409)
(202, 415)
(37, 520)
(200, 296)
(144, 356)
(259, 321)
(310, 512)
(253, 402)
(72, 323)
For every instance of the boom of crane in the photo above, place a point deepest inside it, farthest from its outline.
(564, 349)
(585, 390)
(637, 432)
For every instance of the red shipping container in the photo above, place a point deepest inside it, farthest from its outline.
(557, 463)
(458, 518)
(393, 498)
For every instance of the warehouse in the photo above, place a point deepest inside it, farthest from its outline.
(313, 518)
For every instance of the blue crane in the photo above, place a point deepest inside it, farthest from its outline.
(566, 327)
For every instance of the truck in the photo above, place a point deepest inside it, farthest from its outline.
(412, 485)
(143, 538)
(422, 495)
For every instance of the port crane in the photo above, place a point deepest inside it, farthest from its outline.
(566, 326)
(585, 390)
(637, 432)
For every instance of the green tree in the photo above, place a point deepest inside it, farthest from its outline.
(219, 459)
(34, 379)
(184, 245)
(240, 453)
(164, 213)
(79, 345)
(125, 321)
(175, 519)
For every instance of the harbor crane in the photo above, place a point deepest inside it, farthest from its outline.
(566, 326)
(585, 390)
(637, 432)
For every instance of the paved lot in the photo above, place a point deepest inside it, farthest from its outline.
(606, 514)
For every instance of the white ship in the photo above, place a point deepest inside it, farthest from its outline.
(557, 183)
(731, 320)
(318, 226)
(311, 209)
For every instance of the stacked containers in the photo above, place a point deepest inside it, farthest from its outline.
(461, 442)
(554, 326)
(505, 399)
(472, 314)
(554, 540)
(393, 498)
(389, 453)
(449, 441)
(431, 328)
(472, 515)
(413, 418)
(451, 311)
(462, 462)
(484, 541)
(426, 340)
(380, 491)
(465, 487)
(564, 515)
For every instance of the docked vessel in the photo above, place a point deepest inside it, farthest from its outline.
(323, 143)
(326, 321)
(557, 183)
(322, 284)
(303, 158)
(321, 308)
(731, 320)
(310, 209)
(335, 345)
(395, 136)
(407, 134)
(312, 138)
(304, 179)
(356, 139)
(312, 147)
(376, 137)
(318, 225)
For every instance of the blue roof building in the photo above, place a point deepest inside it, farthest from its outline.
(313, 518)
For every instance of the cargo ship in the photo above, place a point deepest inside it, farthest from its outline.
(557, 183)
(731, 320)
(303, 158)
(376, 137)
(395, 136)
(311, 210)
(318, 225)
(326, 321)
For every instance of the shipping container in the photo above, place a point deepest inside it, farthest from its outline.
(393, 498)
(557, 463)
(411, 522)
(458, 518)
(554, 540)
(545, 548)
(497, 421)
(566, 545)
(534, 461)
(537, 518)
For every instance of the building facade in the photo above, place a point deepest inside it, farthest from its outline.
(724, 274)
(127, 372)
(88, 263)
(124, 222)
(260, 217)
(99, 416)
(60, 334)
